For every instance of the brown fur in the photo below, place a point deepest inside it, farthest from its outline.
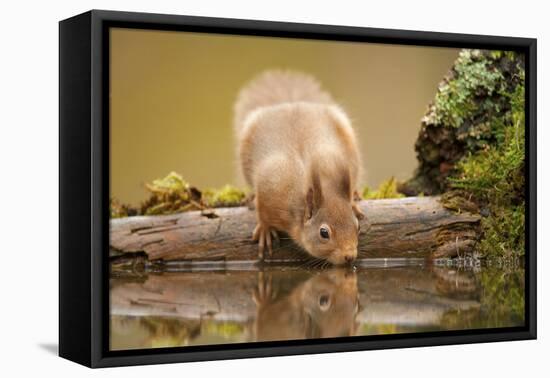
(299, 153)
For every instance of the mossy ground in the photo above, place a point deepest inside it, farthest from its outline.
(172, 194)
(473, 142)
(387, 189)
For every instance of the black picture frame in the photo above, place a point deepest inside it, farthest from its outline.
(84, 187)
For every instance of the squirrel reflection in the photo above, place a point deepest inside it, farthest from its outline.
(325, 305)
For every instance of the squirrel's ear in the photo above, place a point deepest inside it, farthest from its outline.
(345, 184)
(309, 204)
(317, 190)
(314, 197)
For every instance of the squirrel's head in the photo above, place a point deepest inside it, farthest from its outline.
(331, 221)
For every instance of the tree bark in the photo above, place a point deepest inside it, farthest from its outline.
(407, 227)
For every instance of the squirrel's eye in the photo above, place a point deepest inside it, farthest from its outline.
(323, 231)
(324, 302)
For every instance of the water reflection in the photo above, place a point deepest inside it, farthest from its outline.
(196, 308)
(325, 305)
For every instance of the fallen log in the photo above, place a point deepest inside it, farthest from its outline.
(406, 227)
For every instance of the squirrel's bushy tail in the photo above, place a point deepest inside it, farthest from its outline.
(276, 87)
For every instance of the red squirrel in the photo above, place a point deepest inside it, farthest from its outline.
(299, 153)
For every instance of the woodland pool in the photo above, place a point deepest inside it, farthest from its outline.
(198, 305)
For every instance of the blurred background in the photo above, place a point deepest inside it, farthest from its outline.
(172, 96)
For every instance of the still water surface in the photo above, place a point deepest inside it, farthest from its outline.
(242, 305)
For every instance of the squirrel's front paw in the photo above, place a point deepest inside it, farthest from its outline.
(359, 214)
(264, 236)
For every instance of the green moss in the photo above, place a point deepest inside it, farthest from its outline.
(472, 144)
(495, 177)
(173, 183)
(464, 117)
(503, 232)
(387, 189)
(172, 194)
(498, 168)
(457, 201)
(226, 196)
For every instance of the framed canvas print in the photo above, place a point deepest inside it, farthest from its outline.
(234, 188)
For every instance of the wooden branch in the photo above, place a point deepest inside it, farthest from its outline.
(407, 227)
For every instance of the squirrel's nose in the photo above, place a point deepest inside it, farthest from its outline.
(349, 258)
